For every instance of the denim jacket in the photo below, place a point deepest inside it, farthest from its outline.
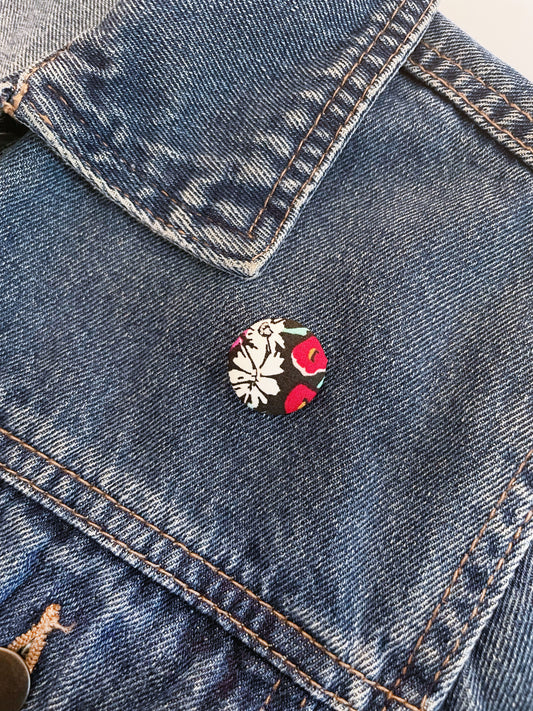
(190, 168)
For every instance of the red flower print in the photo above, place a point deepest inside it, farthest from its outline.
(309, 357)
(298, 397)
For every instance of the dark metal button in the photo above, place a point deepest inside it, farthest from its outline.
(14, 680)
(276, 366)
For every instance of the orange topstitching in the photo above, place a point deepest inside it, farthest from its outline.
(205, 600)
(473, 106)
(196, 556)
(457, 572)
(476, 609)
(480, 80)
(321, 114)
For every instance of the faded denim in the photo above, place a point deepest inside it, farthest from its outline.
(369, 552)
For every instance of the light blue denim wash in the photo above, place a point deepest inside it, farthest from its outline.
(191, 167)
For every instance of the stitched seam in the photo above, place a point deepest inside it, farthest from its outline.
(475, 611)
(46, 119)
(158, 568)
(339, 129)
(136, 171)
(196, 556)
(473, 106)
(93, 168)
(457, 572)
(481, 81)
(266, 702)
(11, 107)
(317, 120)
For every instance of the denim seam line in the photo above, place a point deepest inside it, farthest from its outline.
(266, 702)
(476, 108)
(340, 128)
(196, 556)
(391, 696)
(133, 169)
(89, 166)
(457, 573)
(477, 607)
(329, 102)
(11, 108)
(524, 113)
(202, 598)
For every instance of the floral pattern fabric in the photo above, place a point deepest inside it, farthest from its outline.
(276, 366)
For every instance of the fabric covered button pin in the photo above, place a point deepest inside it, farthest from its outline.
(276, 366)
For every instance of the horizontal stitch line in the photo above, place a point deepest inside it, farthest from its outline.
(457, 572)
(180, 230)
(268, 647)
(196, 556)
(481, 81)
(317, 120)
(475, 611)
(340, 128)
(474, 106)
(180, 203)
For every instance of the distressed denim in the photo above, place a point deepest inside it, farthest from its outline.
(364, 168)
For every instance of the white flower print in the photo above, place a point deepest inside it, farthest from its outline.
(267, 333)
(252, 377)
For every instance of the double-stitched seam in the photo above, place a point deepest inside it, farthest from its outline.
(11, 107)
(478, 606)
(457, 572)
(266, 702)
(317, 120)
(205, 600)
(481, 81)
(340, 128)
(180, 230)
(196, 556)
(476, 108)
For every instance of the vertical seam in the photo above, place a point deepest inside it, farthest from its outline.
(477, 607)
(457, 573)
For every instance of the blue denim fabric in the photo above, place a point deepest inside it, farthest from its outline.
(216, 137)
(363, 551)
